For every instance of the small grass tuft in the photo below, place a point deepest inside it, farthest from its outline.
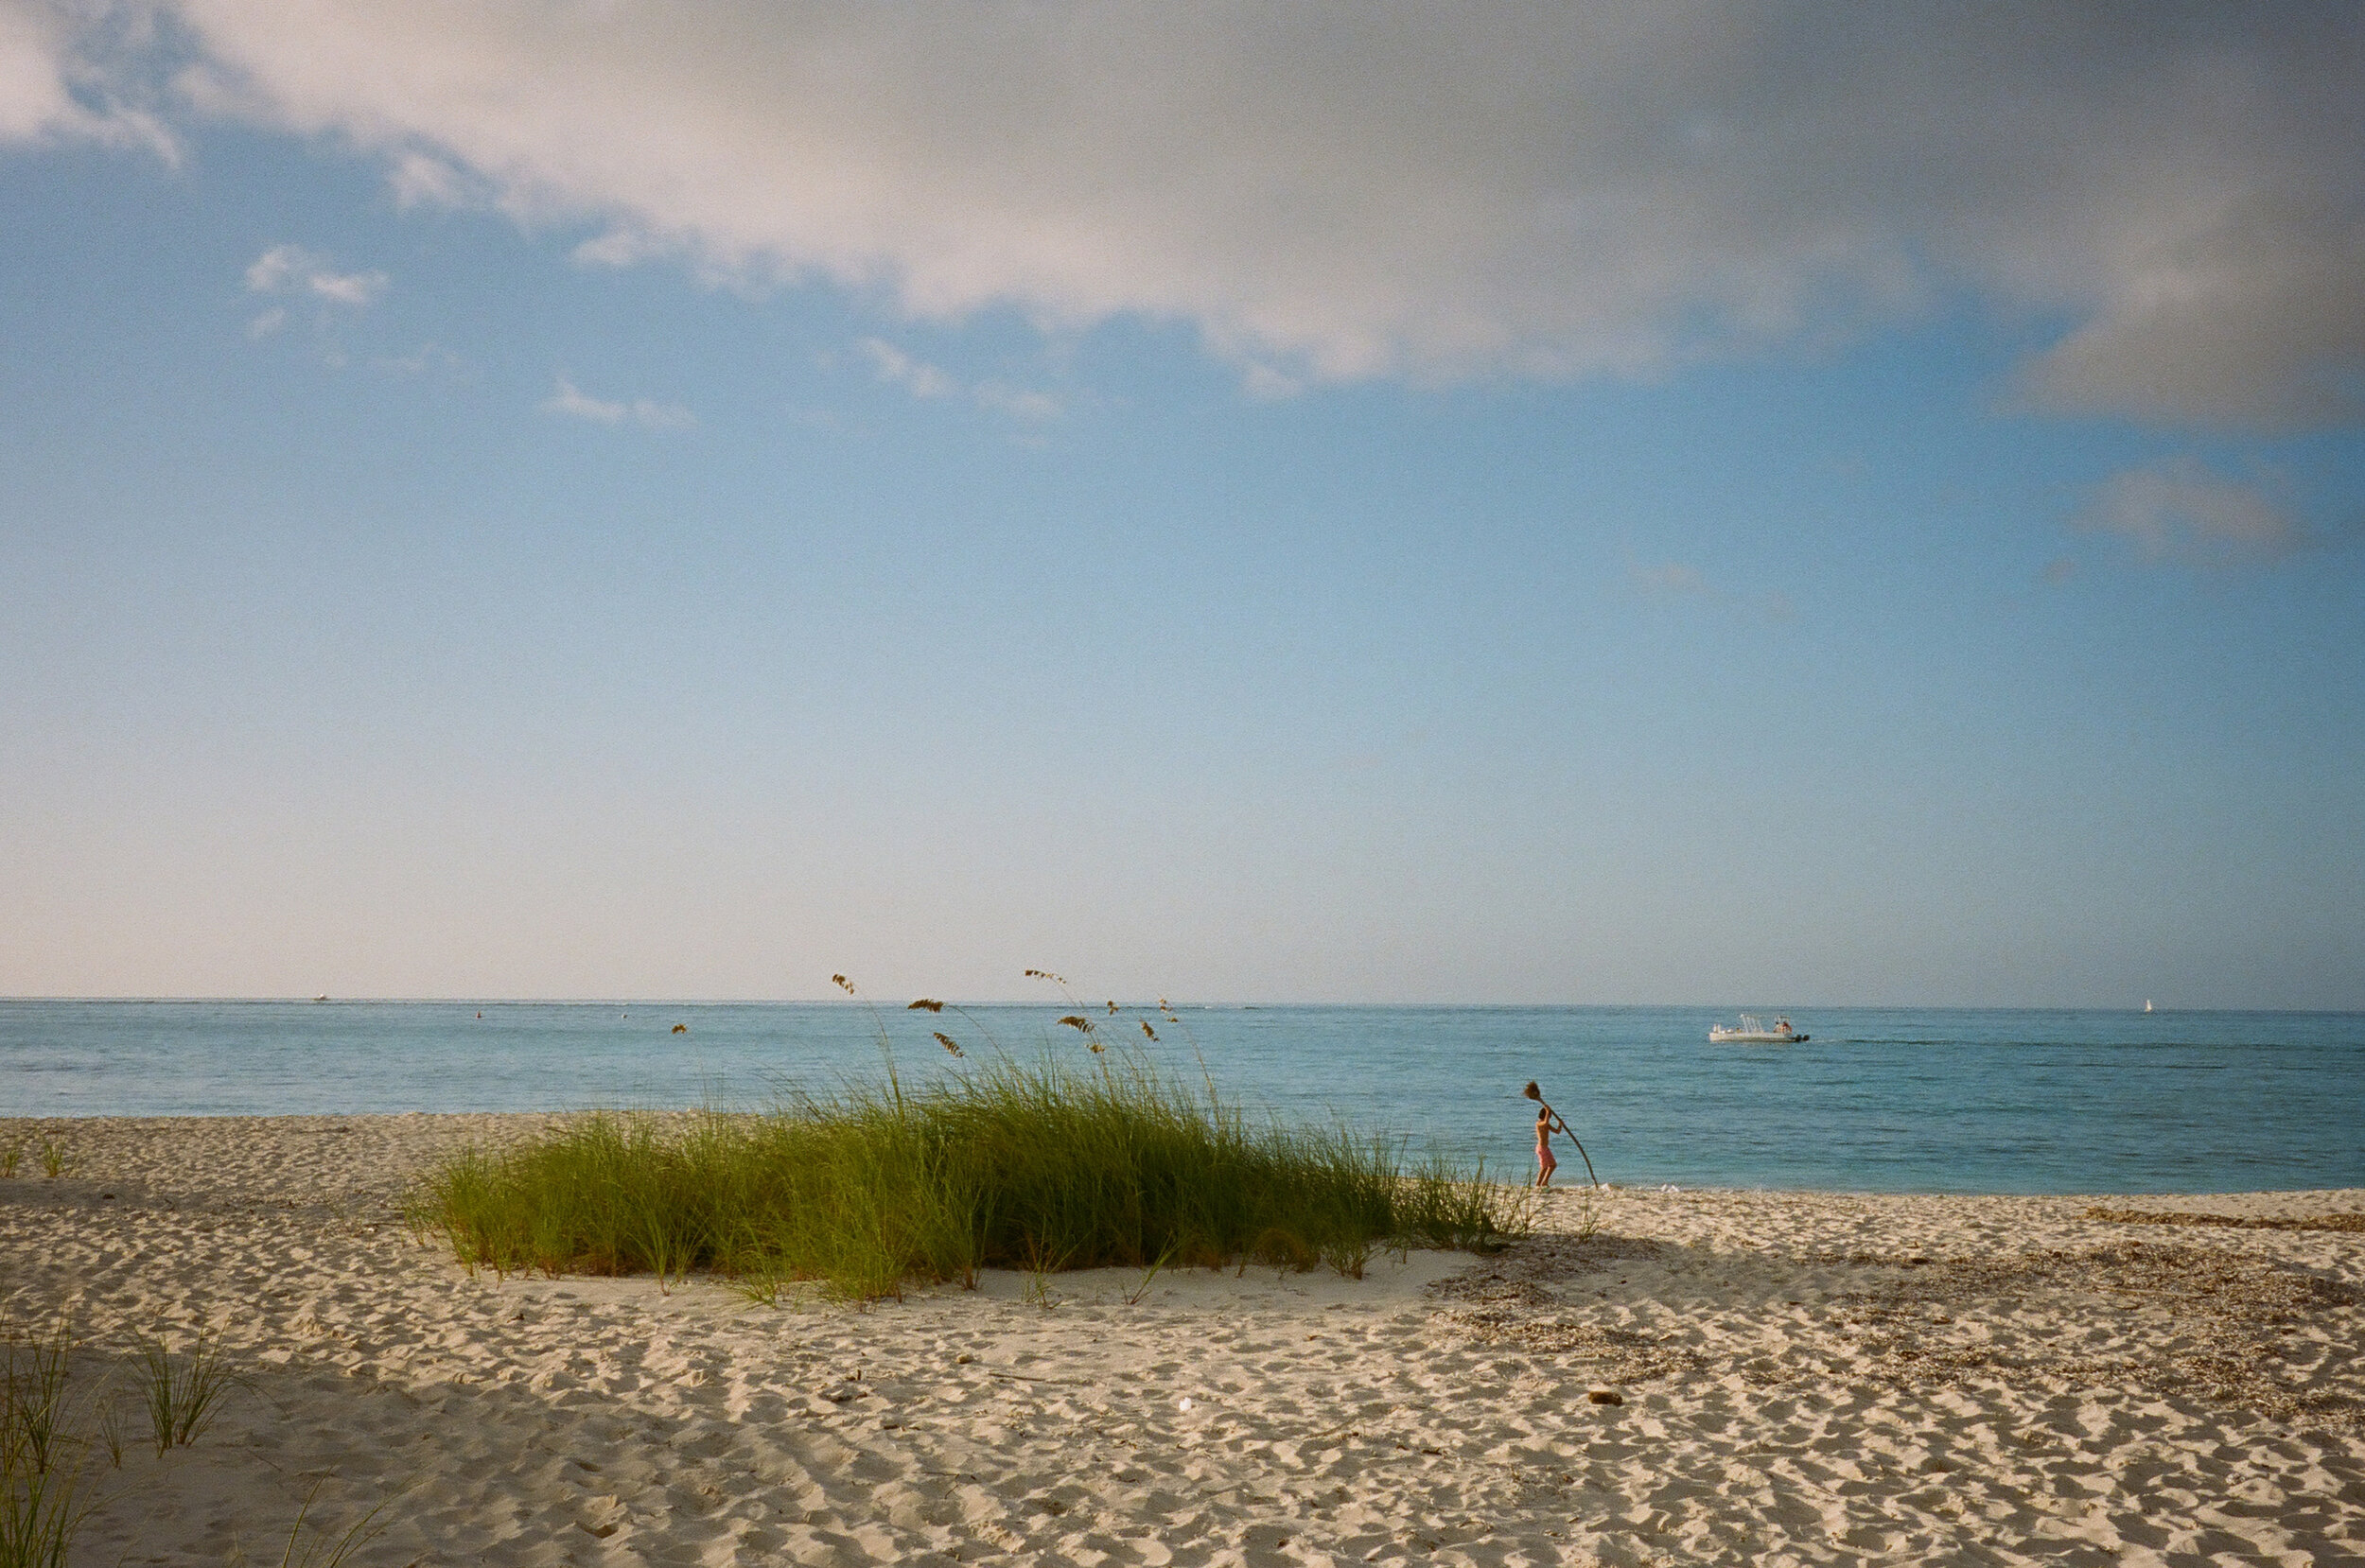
(183, 1392)
(35, 1371)
(11, 1156)
(53, 1157)
(1139, 1291)
(1042, 1264)
(110, 1431)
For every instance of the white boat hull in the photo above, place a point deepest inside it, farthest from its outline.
(1752, 1030)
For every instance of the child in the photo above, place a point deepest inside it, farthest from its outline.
(1548, 1122)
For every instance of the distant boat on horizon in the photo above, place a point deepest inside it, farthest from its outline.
(2147, 1004)
(1755, 1031)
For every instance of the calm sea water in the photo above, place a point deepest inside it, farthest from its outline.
(1878, 1100)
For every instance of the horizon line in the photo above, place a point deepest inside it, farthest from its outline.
(138, 999)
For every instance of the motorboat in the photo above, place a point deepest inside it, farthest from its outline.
(1754, 1030)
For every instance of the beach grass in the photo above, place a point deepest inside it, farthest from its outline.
(317, 1544)
(43, 1500)
(1041, 1168)
(183, 1392)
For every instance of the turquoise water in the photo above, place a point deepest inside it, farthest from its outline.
(1879, 1100)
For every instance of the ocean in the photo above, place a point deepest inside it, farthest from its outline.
(1878, 1100)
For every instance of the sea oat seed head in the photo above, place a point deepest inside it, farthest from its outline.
(948, 1042)
(1532, 1091)
(925, 1004)
(843, 983)
(1077, 1020)
(1148, 1030)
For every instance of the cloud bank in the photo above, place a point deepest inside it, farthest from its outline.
(1340, 189)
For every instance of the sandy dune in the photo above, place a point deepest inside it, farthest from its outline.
(1805, 1378)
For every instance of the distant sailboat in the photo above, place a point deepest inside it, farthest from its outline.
(2147, 1004)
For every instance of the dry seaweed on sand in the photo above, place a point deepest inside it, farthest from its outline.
(2346, 1221)
(2239, 1330)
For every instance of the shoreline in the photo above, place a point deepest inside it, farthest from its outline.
(1802, 1377)
(495, 1124)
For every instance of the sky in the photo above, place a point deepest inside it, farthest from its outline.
(1728, 504)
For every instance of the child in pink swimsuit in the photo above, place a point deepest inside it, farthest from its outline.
(1547, 1123)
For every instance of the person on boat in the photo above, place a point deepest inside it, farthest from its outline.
(1548, 1122)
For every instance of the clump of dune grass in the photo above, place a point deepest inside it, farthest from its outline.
(184, 1391)
(1041, 1168)
(43, 1501)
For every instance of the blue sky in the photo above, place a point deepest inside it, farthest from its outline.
(1581, 511)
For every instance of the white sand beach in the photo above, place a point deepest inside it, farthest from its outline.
(1801, 1378)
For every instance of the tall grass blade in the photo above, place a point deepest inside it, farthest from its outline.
(325, 1550)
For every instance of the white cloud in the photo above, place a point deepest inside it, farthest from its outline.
(2262, 319)
(348, 288)
(568, 399)
(571, 400)
(34, 102)
(418, 180)
(900, 369)
(55, 83)
(922, 379)
(1344, 188)
(616, 248)
(290, 269)
(2179, 511)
